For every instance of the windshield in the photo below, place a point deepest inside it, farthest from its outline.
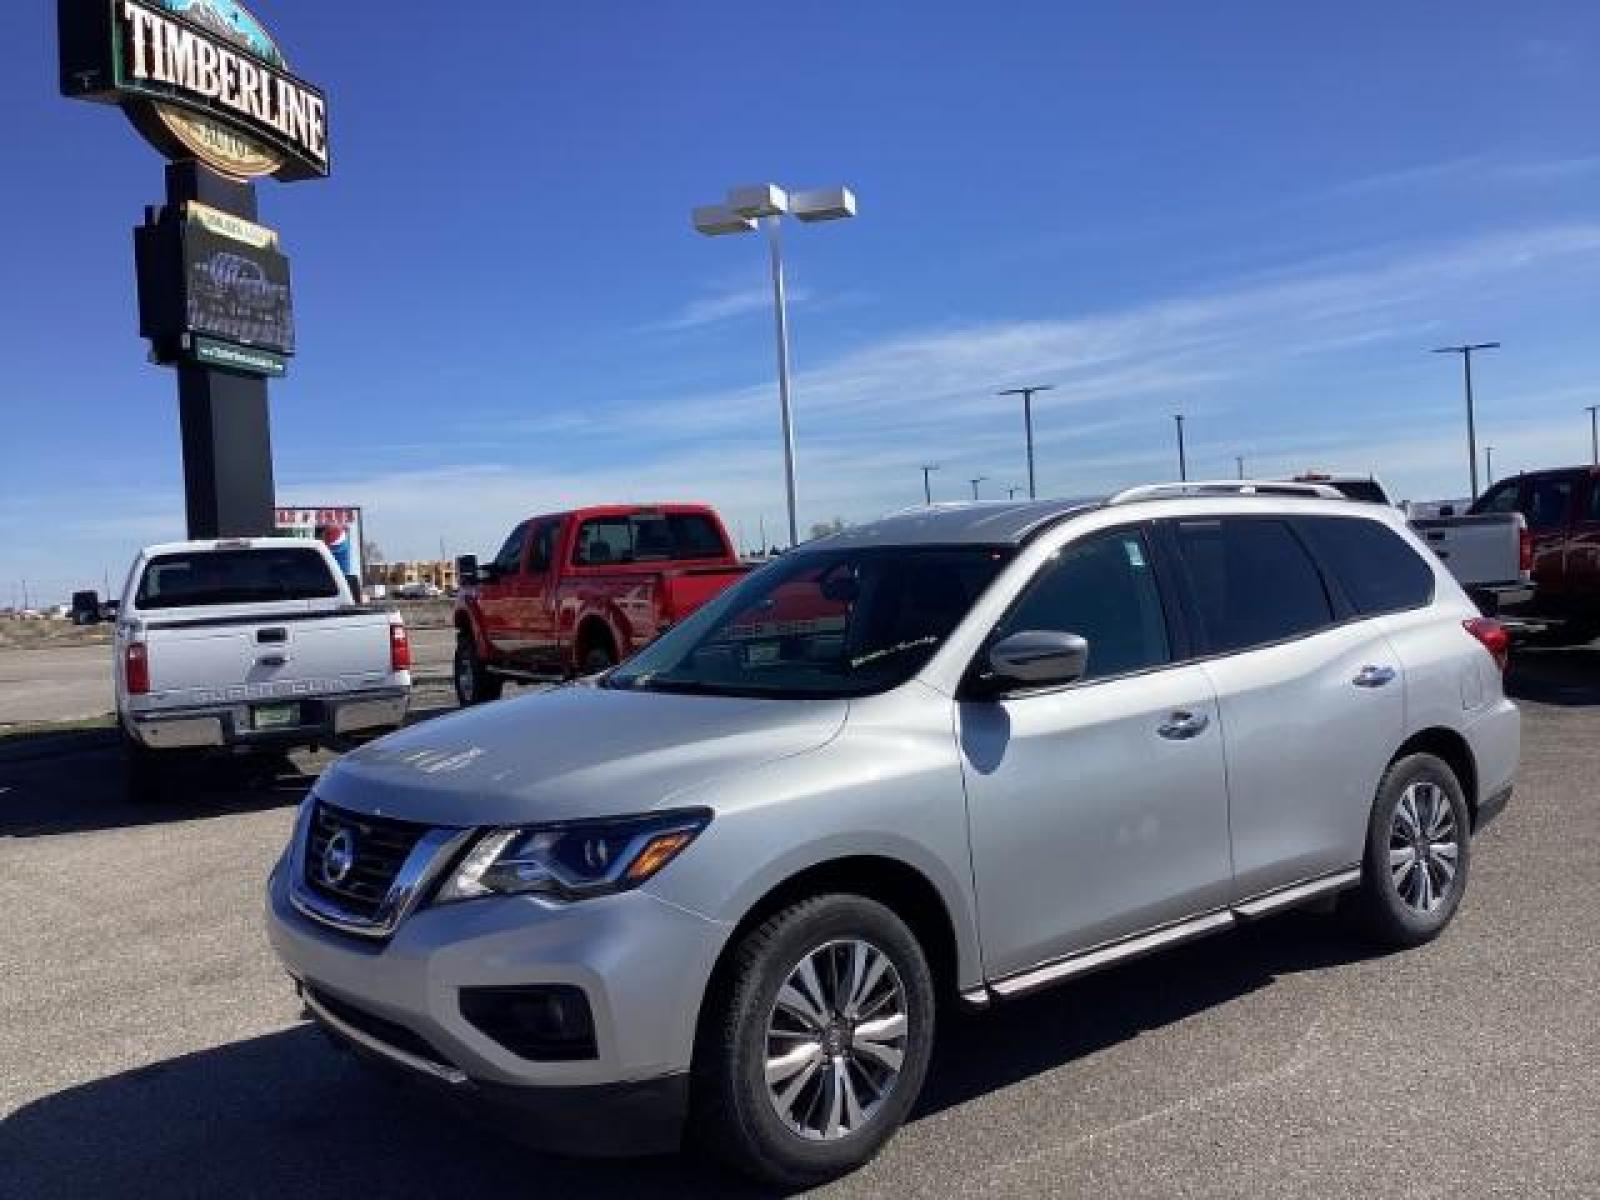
(821, 624)
(256, 576)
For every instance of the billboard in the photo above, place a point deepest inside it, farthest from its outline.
(236, 282)
(337, 527)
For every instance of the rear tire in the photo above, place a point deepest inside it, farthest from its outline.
(857, 1054)
(474, 683)
(1419, 849)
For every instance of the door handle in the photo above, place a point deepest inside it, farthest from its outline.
(1181, 726)
(1374, 677)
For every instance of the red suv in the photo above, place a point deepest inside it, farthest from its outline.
(574, 593)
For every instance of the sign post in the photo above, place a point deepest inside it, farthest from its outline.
(207, 86)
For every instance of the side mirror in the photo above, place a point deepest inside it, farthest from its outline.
(467, 572)
(1039, 658)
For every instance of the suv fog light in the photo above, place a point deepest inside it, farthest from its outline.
(544, 1023)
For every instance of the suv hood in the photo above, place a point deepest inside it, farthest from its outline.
(571, 753)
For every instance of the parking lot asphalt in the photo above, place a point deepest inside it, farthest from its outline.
(149, 1045)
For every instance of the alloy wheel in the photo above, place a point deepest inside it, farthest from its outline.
(1424, 846)
(836, 1040)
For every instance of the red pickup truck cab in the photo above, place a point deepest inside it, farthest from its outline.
(1562, 507)
(574, 593)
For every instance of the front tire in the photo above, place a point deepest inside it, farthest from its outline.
(816, 1042)
(474, 683)
(1419, 848)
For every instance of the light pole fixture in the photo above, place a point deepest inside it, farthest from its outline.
(1472, 420)
(1183, 458)
(927, 486)
(975, 482)
(1594, 433)
(745, 210)
(1027, 394)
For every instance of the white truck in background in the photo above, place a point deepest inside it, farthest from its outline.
(1491, 555)
(245, 645)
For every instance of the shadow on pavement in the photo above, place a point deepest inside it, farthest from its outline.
(287, 1114)
(1568, 677)
(72, 782)
(1022, 1038)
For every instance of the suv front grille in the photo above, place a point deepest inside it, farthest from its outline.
(373, 851)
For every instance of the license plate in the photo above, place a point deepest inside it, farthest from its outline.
(276, 716)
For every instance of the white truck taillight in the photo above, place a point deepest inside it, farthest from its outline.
(136, 668)
(1494, 637)
(399, 648)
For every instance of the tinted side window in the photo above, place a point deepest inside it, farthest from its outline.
(604, 540)
(1104, 590)
(1253, 581)
(510, 557)
(1547, 503)
(1372, 563)
(1502, 498)
(696, 536)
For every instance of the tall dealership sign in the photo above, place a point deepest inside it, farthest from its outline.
(205, 83)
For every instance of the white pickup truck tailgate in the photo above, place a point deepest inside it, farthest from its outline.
(1483, 550)
(259, 658)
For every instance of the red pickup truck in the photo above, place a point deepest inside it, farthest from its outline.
(1562, 507)
(574, 593)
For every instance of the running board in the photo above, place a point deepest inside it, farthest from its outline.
(1112, 953)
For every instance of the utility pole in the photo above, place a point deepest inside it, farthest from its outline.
(1472, 420)
(1027, 394)
(1594, 434)
(1183, 459)
(927, 486)
(975, 483)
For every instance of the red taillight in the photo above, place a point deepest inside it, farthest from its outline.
(136, 669)
(1525, 551)
(399, 648)
(1494, 637)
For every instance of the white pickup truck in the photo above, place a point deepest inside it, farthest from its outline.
(1491, 554)
(249, 644)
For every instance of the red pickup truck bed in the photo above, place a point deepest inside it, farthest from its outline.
(573, 593)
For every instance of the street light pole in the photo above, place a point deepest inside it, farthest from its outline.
(1183, 459)
(1011, 493)
(1027, 421)
(780, 306)
(927, 485)
(1488, 465)
(1594, 434)
(1239, 458)
(975, 483)
(1472, 420)
(745, 209)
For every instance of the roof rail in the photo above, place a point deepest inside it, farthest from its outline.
(1225, 487)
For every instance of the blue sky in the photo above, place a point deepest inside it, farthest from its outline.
(1257, 213)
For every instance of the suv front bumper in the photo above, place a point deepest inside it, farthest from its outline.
(641, 963)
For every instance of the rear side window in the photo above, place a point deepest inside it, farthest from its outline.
(648, 537)
(1103, 590)
(1378, 571)
(1253, 582)
(234, 577)
(1547, 503)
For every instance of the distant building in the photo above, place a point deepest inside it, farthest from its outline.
(415, 573)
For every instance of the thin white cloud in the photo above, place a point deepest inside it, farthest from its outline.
(726, 306)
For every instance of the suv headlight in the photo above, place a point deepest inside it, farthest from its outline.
(573, 860)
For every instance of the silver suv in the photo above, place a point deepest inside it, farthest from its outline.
(720, 892)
